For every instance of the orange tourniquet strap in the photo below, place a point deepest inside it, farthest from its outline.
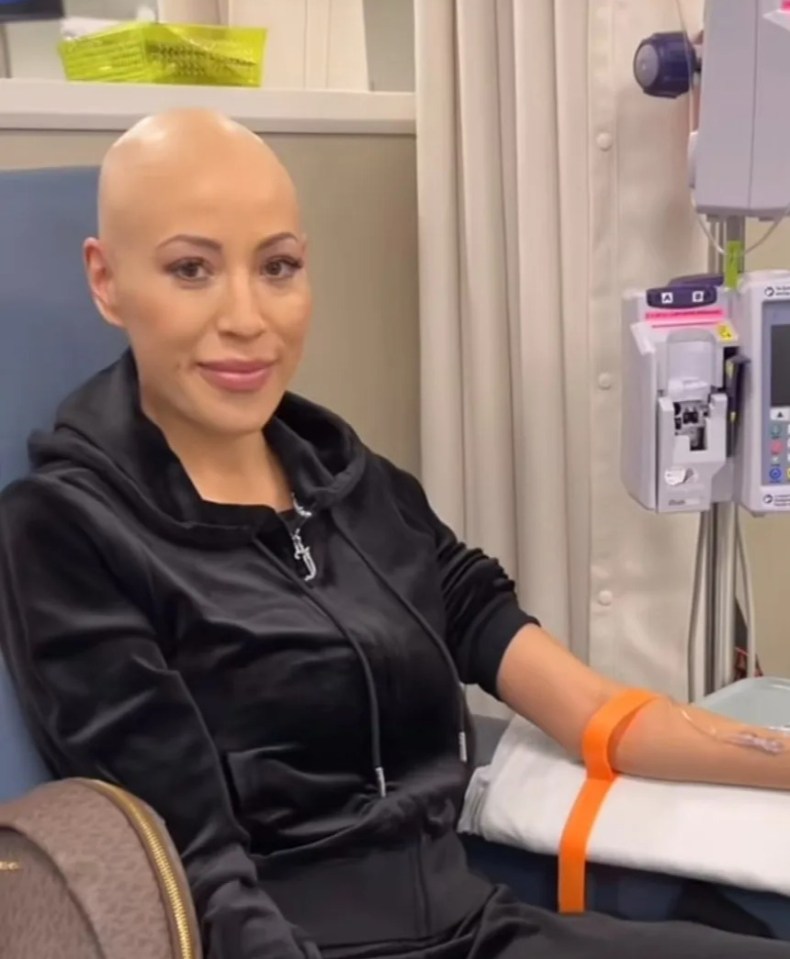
(610, 719)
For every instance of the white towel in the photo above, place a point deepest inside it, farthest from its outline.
(721, 834)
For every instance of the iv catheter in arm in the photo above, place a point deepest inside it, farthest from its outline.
(706, 359)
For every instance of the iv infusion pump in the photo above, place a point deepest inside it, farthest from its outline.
(706, 394)
(706, 364)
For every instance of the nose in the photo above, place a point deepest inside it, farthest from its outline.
(242, 314)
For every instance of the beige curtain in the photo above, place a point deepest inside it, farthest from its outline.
(548, 183)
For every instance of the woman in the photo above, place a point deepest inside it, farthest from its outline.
(216, 596)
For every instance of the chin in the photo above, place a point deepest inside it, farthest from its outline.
(237, 414)
(237, 423)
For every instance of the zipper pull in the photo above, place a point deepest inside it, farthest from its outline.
(303, 555)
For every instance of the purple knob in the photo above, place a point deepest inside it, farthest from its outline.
(665, 64)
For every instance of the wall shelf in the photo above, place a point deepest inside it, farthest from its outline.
(59, 105)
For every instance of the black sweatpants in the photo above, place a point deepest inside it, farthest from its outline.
(509, 929)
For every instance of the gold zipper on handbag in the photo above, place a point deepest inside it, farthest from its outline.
(149, 833)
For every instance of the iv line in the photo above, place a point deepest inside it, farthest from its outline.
(747, 737)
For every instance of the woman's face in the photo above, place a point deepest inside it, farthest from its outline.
(204, 268)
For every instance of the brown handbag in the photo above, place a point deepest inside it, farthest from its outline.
(88, 871)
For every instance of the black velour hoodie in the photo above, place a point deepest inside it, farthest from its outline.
(297, 720)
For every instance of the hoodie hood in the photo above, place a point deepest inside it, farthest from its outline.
(101, 426)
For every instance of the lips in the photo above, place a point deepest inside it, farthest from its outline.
(237, 376)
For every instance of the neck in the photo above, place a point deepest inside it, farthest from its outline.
(236, 470)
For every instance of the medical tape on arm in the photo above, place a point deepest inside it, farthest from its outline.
(609, 721)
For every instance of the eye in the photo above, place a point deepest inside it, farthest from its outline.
(282, 267)
(190, 271)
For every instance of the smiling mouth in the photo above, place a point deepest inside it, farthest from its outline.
(237, 376)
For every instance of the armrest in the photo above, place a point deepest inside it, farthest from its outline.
(488, 732)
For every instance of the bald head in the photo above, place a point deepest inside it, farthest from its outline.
(175, 155)
(201, 260)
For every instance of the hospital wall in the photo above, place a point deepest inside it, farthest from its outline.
(360, 208)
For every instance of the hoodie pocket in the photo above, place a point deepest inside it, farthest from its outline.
(281, 801)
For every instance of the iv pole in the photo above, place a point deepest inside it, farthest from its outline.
(721, 528)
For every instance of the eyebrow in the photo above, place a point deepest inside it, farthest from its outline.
(209, 244)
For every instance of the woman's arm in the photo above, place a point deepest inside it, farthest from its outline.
(542, 681)
(482, 614)
(104, 704)
(506, 652)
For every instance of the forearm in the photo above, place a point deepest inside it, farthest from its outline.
(542, 681)
(661, 743)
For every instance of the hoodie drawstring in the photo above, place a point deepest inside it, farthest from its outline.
(367, 672)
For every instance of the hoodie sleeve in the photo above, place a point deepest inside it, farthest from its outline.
(482, 610)
(104, 704)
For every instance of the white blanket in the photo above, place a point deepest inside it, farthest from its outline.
(721, 834)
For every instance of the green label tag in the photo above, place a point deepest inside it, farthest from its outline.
(733, 264)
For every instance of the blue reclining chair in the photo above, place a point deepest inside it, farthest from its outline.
(51, 340)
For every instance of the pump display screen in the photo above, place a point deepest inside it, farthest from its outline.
(780, 365)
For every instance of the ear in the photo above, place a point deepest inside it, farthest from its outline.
(100, 280)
